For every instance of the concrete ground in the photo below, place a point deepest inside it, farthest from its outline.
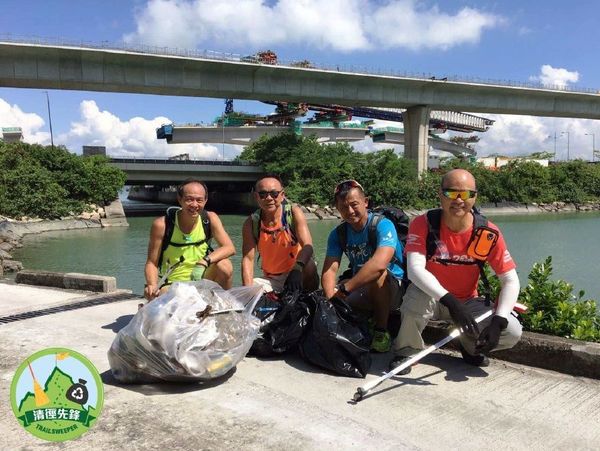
(287, 404)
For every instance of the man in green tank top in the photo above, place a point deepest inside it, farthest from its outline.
(185, 256)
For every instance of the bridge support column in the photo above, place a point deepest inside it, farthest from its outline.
(416, 131)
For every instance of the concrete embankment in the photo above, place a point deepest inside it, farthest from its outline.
(285, 403)
(12, 231)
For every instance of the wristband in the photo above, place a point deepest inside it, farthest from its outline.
(207, 260)
(342, 288)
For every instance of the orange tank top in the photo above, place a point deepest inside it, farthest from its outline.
(278, 249)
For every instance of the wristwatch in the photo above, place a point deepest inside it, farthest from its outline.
(342, 288)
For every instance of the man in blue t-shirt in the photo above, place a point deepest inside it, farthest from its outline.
(376, 272)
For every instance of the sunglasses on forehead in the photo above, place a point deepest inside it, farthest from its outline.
(459, 194)
(347, 184)
(272, 193)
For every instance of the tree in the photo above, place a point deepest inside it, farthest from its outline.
(50, 182)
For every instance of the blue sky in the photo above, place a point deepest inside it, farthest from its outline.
(550, 42)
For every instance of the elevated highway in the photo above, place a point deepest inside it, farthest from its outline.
(185, 134)
(27, 65)
(171, 172)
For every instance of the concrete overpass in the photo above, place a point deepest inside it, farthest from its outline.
(171, 172)
(27, 65)
(185, 134)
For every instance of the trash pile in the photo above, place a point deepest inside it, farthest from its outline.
(327, 333)
(194, 332)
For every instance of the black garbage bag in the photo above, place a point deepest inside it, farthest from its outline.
(266, 309)
(338, 339)
(283, 322)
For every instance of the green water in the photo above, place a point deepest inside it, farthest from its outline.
(571, 239)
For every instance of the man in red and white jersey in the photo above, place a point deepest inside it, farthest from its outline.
(445, 250)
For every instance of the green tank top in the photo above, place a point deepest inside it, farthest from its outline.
(191, 252)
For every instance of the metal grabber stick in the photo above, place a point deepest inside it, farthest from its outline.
(163, 279)
(366, 388)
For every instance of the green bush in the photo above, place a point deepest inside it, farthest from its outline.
(554, 309)
(45, 182)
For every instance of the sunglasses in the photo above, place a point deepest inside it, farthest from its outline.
(347, 184)
(456, 194)
(273, 194)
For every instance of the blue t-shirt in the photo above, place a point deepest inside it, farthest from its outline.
(358, 249)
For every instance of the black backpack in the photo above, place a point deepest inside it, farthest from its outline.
(398, 217)
(170, 227)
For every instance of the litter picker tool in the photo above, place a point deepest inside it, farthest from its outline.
(166, 275)
(169, 270)
(366, 388)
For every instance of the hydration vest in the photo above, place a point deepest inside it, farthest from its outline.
(483, 240)
(287, 223)
(170, 215)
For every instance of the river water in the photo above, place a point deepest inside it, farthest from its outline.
(571, 240)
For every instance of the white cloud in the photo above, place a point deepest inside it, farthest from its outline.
(405, 24)
(523, 135)
(135, 137)
(30, 123)
(556, 77)
(341, 25)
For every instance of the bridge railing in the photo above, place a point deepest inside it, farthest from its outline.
(189, 162)
(232, 57)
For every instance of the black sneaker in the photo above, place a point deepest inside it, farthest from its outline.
(397, 361)
(475, 360)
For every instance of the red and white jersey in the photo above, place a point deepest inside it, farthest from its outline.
(459, 279)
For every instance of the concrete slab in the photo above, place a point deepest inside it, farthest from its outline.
(23, 298)
(286, 404)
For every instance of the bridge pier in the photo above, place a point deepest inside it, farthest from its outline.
(416, 135)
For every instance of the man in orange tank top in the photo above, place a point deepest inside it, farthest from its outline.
(282, 239)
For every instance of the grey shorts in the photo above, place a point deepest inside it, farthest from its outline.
(360, 298)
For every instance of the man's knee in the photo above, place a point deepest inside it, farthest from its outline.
(511, 335)
(221, 270)
(416, 303)
(225, 267)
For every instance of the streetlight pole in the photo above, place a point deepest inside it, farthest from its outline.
(50, 121)
(568, 148)
(593, 144)
(223, 128)
(554, 145)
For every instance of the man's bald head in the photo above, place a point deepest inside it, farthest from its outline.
(459, 178)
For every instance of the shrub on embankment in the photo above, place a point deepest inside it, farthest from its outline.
(553, 308)
(310, 170)
(46, 182)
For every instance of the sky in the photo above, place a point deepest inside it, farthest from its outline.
(550, 42)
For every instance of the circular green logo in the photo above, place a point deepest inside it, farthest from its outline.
(57, 394)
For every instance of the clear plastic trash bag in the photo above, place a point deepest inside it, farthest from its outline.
(169, 339)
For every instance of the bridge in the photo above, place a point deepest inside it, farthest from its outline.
(28, 65)
(145, 171)
(185, 134)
